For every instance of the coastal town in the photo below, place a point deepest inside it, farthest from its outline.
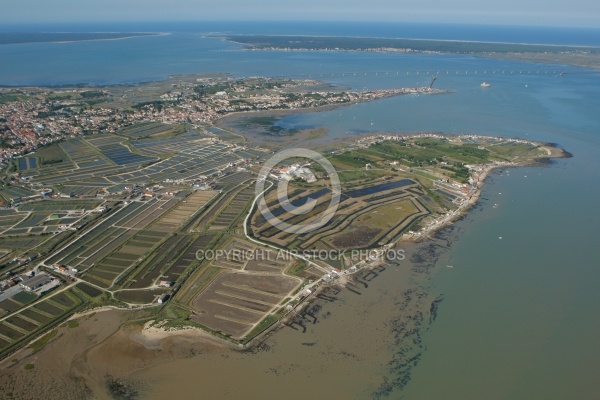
(34, 117)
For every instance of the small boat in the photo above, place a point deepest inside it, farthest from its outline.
(485, 84)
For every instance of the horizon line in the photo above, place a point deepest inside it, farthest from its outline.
(387, 22)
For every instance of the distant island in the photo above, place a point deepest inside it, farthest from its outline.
(57, 37)
(551, 54)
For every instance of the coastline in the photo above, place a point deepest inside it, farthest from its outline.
(128, 36)
(451, 217)
(586, 56)
(118, 38)
(151, 336)
(232, 120)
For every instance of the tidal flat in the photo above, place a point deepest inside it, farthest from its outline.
(328, 349)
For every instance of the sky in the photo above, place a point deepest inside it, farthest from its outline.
(583, 13)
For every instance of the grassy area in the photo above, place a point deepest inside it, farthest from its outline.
(41, 342)
(297, 269)
(208, 276)
(352, 159)
(11, 97)
(175, 315)
(61, 96)
(423, 174)
(510, 151)
(72, 324)
(262, 326)
(52, 154)
(360, 176)
(387, 216)
(430, 151)
(25, 297)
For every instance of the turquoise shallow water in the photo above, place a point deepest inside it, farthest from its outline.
(519, 317)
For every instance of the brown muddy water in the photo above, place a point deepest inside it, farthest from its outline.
(356, 343)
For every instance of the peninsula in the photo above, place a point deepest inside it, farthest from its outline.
(130, 197)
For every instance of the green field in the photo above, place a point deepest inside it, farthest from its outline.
(49, 155)
(24, 297)
(12, 97)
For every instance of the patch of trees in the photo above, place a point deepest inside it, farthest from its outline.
(91, 94)
(157, 104)
(46, 114)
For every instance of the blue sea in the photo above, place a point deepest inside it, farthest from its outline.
(519, 319)
(184, 50)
